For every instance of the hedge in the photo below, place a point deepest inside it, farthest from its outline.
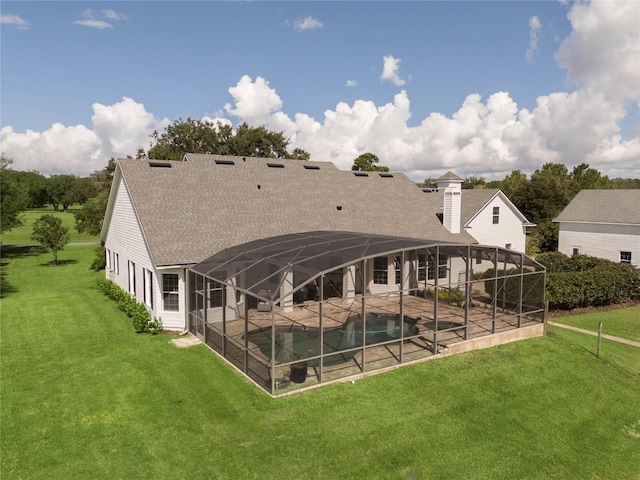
(136, 311)
(583, 281)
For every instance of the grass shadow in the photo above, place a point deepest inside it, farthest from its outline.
(17, 251)
(61, 263)
(5, 287)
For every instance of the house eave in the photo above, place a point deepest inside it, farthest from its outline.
(623, 224)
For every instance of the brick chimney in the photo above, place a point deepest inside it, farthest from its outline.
(451, 185)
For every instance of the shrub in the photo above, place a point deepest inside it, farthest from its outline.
(450, 295)
(155, 326)
(582, 281)
(99, 261)
(508, 284)
(136, 311)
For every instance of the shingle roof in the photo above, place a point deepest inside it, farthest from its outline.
(450, 176)
(473, 200)
(199, 207)
(620, 206)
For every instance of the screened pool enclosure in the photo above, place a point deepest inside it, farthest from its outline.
(303, 309)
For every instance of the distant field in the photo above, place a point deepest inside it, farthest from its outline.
(624, 322)
(22, 235)
(84, 397)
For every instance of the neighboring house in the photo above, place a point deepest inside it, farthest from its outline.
(602, 223)
(163, 217)
(486, 214)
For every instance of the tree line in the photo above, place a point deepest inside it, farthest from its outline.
(540, 196)
(22, 190)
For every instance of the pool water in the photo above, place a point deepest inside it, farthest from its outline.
(294, 342)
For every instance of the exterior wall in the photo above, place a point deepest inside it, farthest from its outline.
(172, 320)
(124, 241)
(509, 230)
(452, 207)
(598, 240)
(378, 288)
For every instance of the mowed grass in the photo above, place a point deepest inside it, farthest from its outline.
(624, 322)
(83, 396)
(22, 235)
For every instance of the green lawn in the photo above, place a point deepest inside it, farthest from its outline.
(22, 235)
(84, 397)
(623, 323)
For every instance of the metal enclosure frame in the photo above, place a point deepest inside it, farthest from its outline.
(310, 302)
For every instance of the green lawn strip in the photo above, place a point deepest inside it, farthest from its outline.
(83, 396)
(624, 322)
(625, 358)
(22, 235)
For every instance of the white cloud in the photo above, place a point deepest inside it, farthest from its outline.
(122, 127)
(113, 15)
(352, 83)
(93, 20)
(307, 23)
(602, 54)
(534, 37)
(390, 70)
(254, 102)
(99, 24)
(118, 130)
(59, 149)
(14, 20)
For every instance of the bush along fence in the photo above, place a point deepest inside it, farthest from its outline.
(583, 281)
(450, 295)
(136, 311)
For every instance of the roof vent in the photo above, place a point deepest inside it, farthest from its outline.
(386, 175)
(339, 207)
(160, 164)
(311, 167)
(275, 165)
(225, 162)
(361, 174)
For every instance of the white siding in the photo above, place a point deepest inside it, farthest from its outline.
(172, 320)
(509, 230)
(598, 240)
(124, 238)
(451, 213)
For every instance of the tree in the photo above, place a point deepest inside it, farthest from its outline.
(49, 232)
(585, 177)
(83, 190)
(512, 185)
(61, 189)
(13, 199)
(430, 182)
(35, 184)
(626, 182)
(300, 154)
(89, 219)
(367, 163)
(193, 136)
(472, 182)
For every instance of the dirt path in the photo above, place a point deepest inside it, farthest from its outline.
(595, 334)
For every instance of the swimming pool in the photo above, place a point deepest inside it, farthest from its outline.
(380, 327)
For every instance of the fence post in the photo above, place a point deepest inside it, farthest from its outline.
(599, 338)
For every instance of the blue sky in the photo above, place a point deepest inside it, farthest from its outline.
(480, 88)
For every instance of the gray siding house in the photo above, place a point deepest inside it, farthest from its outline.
(602, 223)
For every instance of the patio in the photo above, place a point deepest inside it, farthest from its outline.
(355, 323)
